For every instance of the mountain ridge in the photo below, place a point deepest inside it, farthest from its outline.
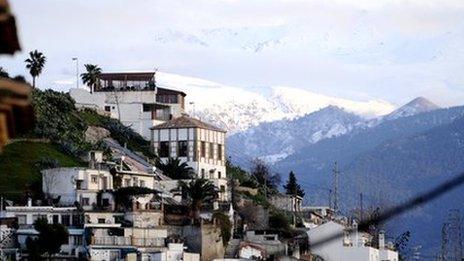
(415, 106)
(237, 109)
(288, 136)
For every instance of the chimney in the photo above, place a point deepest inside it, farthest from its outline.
(381, 239)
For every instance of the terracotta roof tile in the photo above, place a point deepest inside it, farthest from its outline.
(186, 122)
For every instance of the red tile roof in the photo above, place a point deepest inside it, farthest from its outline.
(186, 122)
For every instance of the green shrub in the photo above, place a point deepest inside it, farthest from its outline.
(226, 226)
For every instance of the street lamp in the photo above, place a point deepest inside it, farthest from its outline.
(77, 70)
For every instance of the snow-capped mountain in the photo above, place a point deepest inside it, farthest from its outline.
(416, 106)
(237, 109)
(273, 141)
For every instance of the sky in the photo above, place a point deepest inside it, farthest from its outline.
(360, 50)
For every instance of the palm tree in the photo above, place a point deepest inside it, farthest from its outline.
(175, 169)
(35, 64)
(91, 77)
(197, 192)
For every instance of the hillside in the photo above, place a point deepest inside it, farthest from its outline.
(314, 162)
(20, 165)
(60, 131)
(398, 169)
(273, 141)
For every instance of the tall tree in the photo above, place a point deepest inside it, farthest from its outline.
(49, 240)
(263, 175)
(292, 187)
(35, 64)
(197, 192)
(175, 169)
(91, 76)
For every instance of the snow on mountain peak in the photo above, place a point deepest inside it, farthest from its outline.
(237, 109)
(417, 105)
(301, 101)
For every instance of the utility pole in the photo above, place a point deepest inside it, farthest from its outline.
(265, 188)
(361, 209)
(335, 198)
(76, 59)
(451, 244)
(330, 199)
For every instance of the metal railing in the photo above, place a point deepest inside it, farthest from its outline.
(129, 241)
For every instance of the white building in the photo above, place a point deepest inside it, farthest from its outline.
(287, 202)
(67, 216)
(76, 184)
(175, 251)
(199, 144)
(83, 185)
(133, 98)
(349, 246)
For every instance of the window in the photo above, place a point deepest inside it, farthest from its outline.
(56, 219)
(78, 184)
(22, 219)
(101, 221)
(85, 201)
(219, 175)
(203, 149)
(146, 107)
(76, 220)
(77, 240)
(107, 108)
(105, 202)
(142, 183)
(94, 179)
(223, 189)
(163, 150)
(127, 182)
(211, 150)
(166, 98)
(202, 173)
(219, 152)
(182, 148)
(135, 181)
(104, 183)
(65, 220)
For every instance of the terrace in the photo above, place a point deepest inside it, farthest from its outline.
(128, 81)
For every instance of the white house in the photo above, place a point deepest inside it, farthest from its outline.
(351, 245)
(133, 98)
(174, 252)
(76, 184)
(199, 144)
(83, 185)
(67, 216)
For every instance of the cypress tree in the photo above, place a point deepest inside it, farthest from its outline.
(292, 187)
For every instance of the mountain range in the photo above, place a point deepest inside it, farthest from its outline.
(290, 136)
(237, 109)
(386, 153)
(388, 159)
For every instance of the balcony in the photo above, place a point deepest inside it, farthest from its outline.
(129, 241)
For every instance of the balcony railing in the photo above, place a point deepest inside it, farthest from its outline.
(129, 241)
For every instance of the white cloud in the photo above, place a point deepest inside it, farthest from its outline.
(391, 50)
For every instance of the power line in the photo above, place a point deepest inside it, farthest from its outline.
(399, 209)
(335, 184)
